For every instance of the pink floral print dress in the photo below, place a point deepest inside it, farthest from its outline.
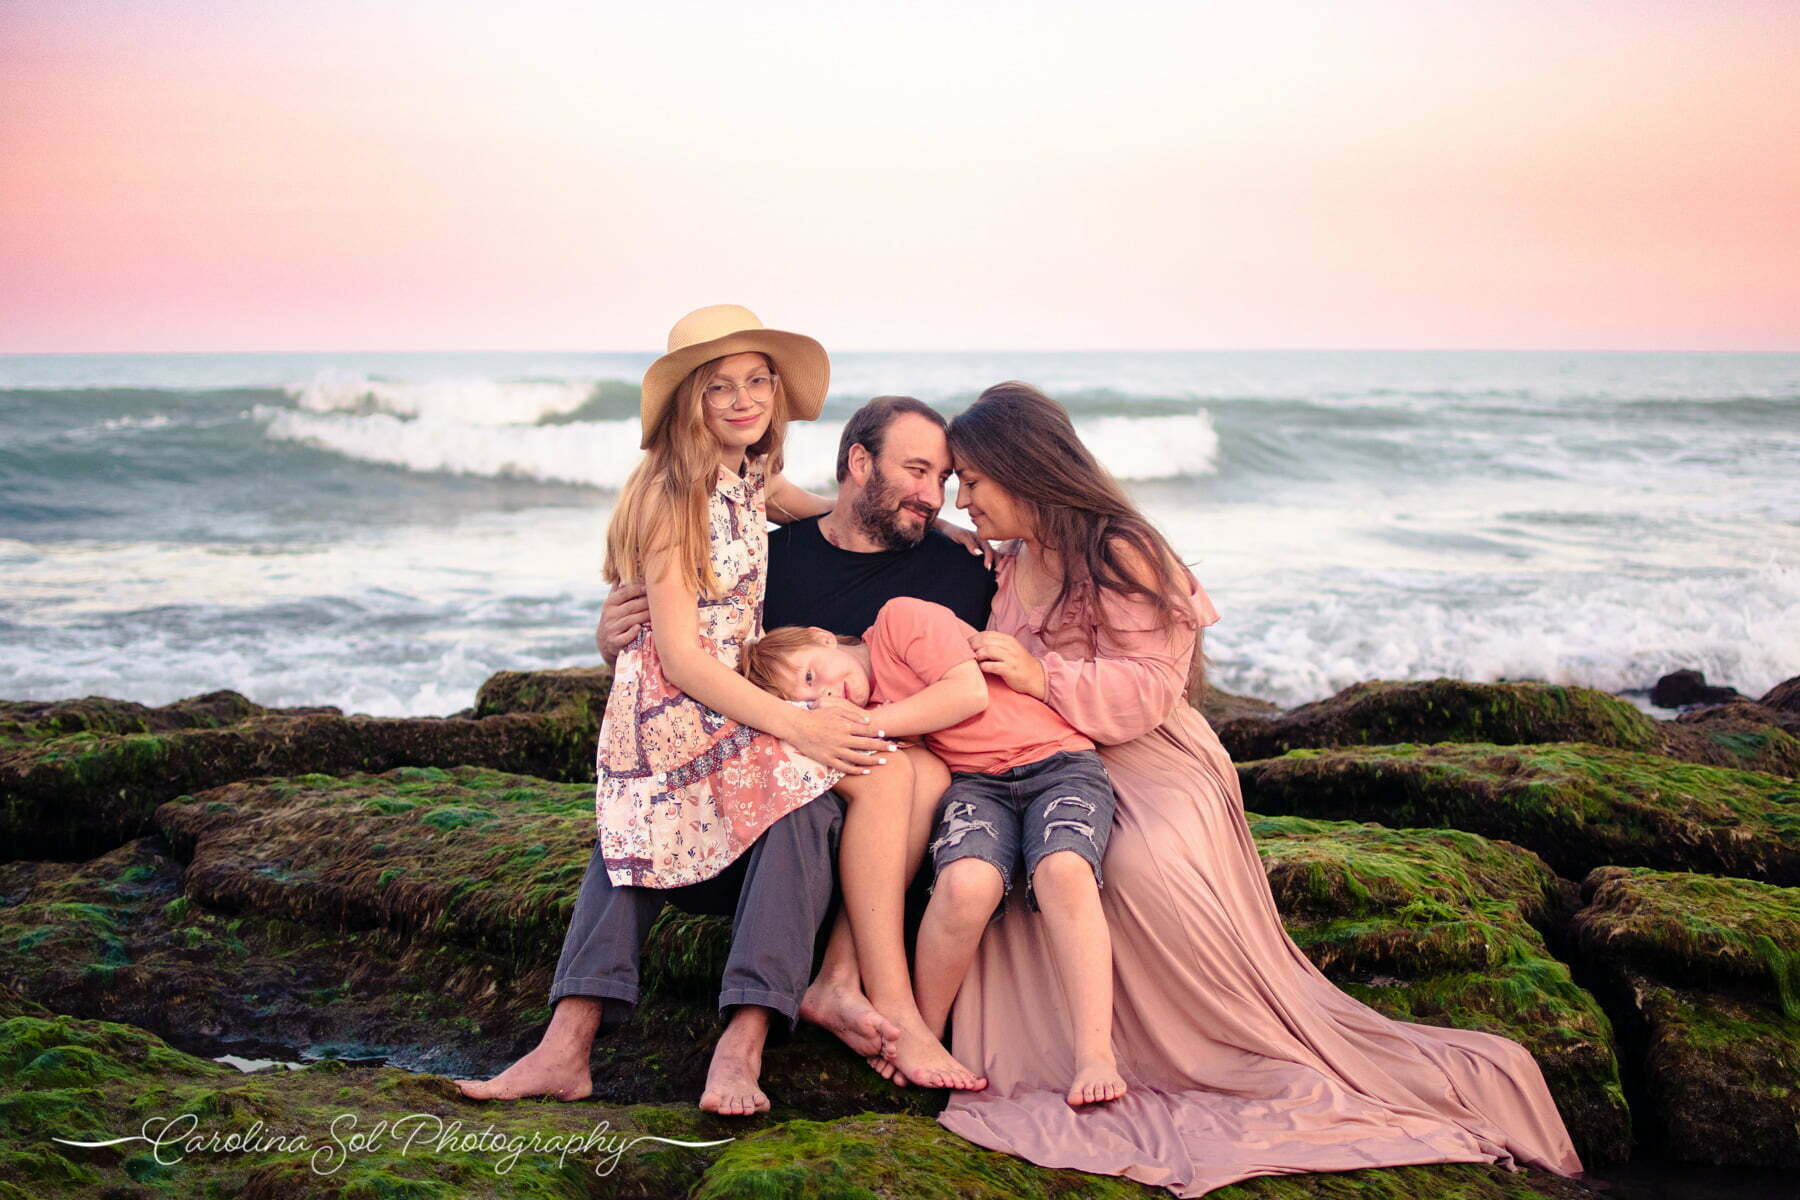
(683, 790)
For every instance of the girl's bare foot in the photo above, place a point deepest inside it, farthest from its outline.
(923, 1060)
(540, 1073)
(1095, 1083)
(731, 1080)
(846, 1012)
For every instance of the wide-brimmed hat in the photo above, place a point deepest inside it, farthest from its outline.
(719, 330)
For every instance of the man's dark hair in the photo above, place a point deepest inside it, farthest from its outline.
(867, 426)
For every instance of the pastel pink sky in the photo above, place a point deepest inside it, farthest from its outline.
(206, 175)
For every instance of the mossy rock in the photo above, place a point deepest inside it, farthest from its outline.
(96, 1080)
(1442, 927)
(1718, 933)
(1749, 737)
(1219, 706)
(23, 721)
(578, 693)
(463, 855)
(1577, 805)
(78, 795)
(1380, 713)
(873, 1157)
(1708, 973)
(1723, 1075)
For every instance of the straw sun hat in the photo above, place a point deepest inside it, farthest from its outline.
(719, 330)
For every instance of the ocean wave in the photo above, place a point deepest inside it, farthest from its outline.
(602, 454)
(471, 400)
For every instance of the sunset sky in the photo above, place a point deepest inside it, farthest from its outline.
(217, 175)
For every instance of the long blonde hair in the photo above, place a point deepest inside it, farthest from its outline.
(663, 507)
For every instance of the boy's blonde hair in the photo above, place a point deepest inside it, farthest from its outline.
(663, 507)
(762, 660)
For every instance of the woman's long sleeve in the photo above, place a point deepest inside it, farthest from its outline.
(1137, 678)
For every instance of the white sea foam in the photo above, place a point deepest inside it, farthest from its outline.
(602, 453)
(1741, 629)
(468, 400)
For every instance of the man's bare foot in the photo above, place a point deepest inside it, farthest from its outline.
(924, 1061)
(887, 1070)
(731, 1080)
(847, 1013)
(540, 1073)
(1095, 1083)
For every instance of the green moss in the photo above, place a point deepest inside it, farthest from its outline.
(1697, 929)
(456, 817)
(1721, 1072)
(1579, 806)
(870, 1157)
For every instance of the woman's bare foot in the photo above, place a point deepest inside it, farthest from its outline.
(540, 1073)
(923, 1060)
(1095, 1083)
(731, 1081)
(846, 1012)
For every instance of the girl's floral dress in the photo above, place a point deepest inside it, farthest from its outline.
(684, 790)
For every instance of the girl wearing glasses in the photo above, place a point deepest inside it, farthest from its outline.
(695, 762)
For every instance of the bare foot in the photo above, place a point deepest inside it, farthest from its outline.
(847, 1013)
(923, 1060)
(540, 1073)
(887, 1070)
(731, 1080)
(1095, 1083)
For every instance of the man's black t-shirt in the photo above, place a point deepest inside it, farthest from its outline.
(812, 582)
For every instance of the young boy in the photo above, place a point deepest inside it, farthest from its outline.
(1026, 790)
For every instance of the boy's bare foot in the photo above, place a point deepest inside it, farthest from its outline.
(924, 1061)
(887, 1070)
(731, 1080)
(540, 1073)
(847, 1013)
(1096, 1083)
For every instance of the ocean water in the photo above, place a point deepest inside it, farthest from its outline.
(383, 531)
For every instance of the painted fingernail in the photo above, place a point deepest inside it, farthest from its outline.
(881, 761)
(864, 771)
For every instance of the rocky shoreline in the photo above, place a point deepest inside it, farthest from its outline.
(383, 899)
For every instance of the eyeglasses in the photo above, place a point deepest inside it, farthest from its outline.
(719, 394)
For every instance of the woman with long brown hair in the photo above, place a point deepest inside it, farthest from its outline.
(1241, 1058)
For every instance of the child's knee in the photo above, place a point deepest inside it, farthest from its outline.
(1063, 872)
(971, 886)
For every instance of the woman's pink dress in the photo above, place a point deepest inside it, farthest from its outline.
(1241, 1057)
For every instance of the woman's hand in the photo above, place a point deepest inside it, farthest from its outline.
(969, 539)
(1003, 656)
(840, 735)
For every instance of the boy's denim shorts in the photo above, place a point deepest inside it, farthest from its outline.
(1017, 816)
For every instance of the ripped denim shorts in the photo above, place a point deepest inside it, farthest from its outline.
(1017, 816)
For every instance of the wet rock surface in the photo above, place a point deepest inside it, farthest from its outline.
(1579, 806)
(1678, 689)
(300, 907)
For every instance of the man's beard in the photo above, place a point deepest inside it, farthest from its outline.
(877, 515)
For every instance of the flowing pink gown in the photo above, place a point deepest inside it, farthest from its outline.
(1242, 1059)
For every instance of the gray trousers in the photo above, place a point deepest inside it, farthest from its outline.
(777, 893)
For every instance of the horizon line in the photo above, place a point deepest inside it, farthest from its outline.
(1795, 349)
